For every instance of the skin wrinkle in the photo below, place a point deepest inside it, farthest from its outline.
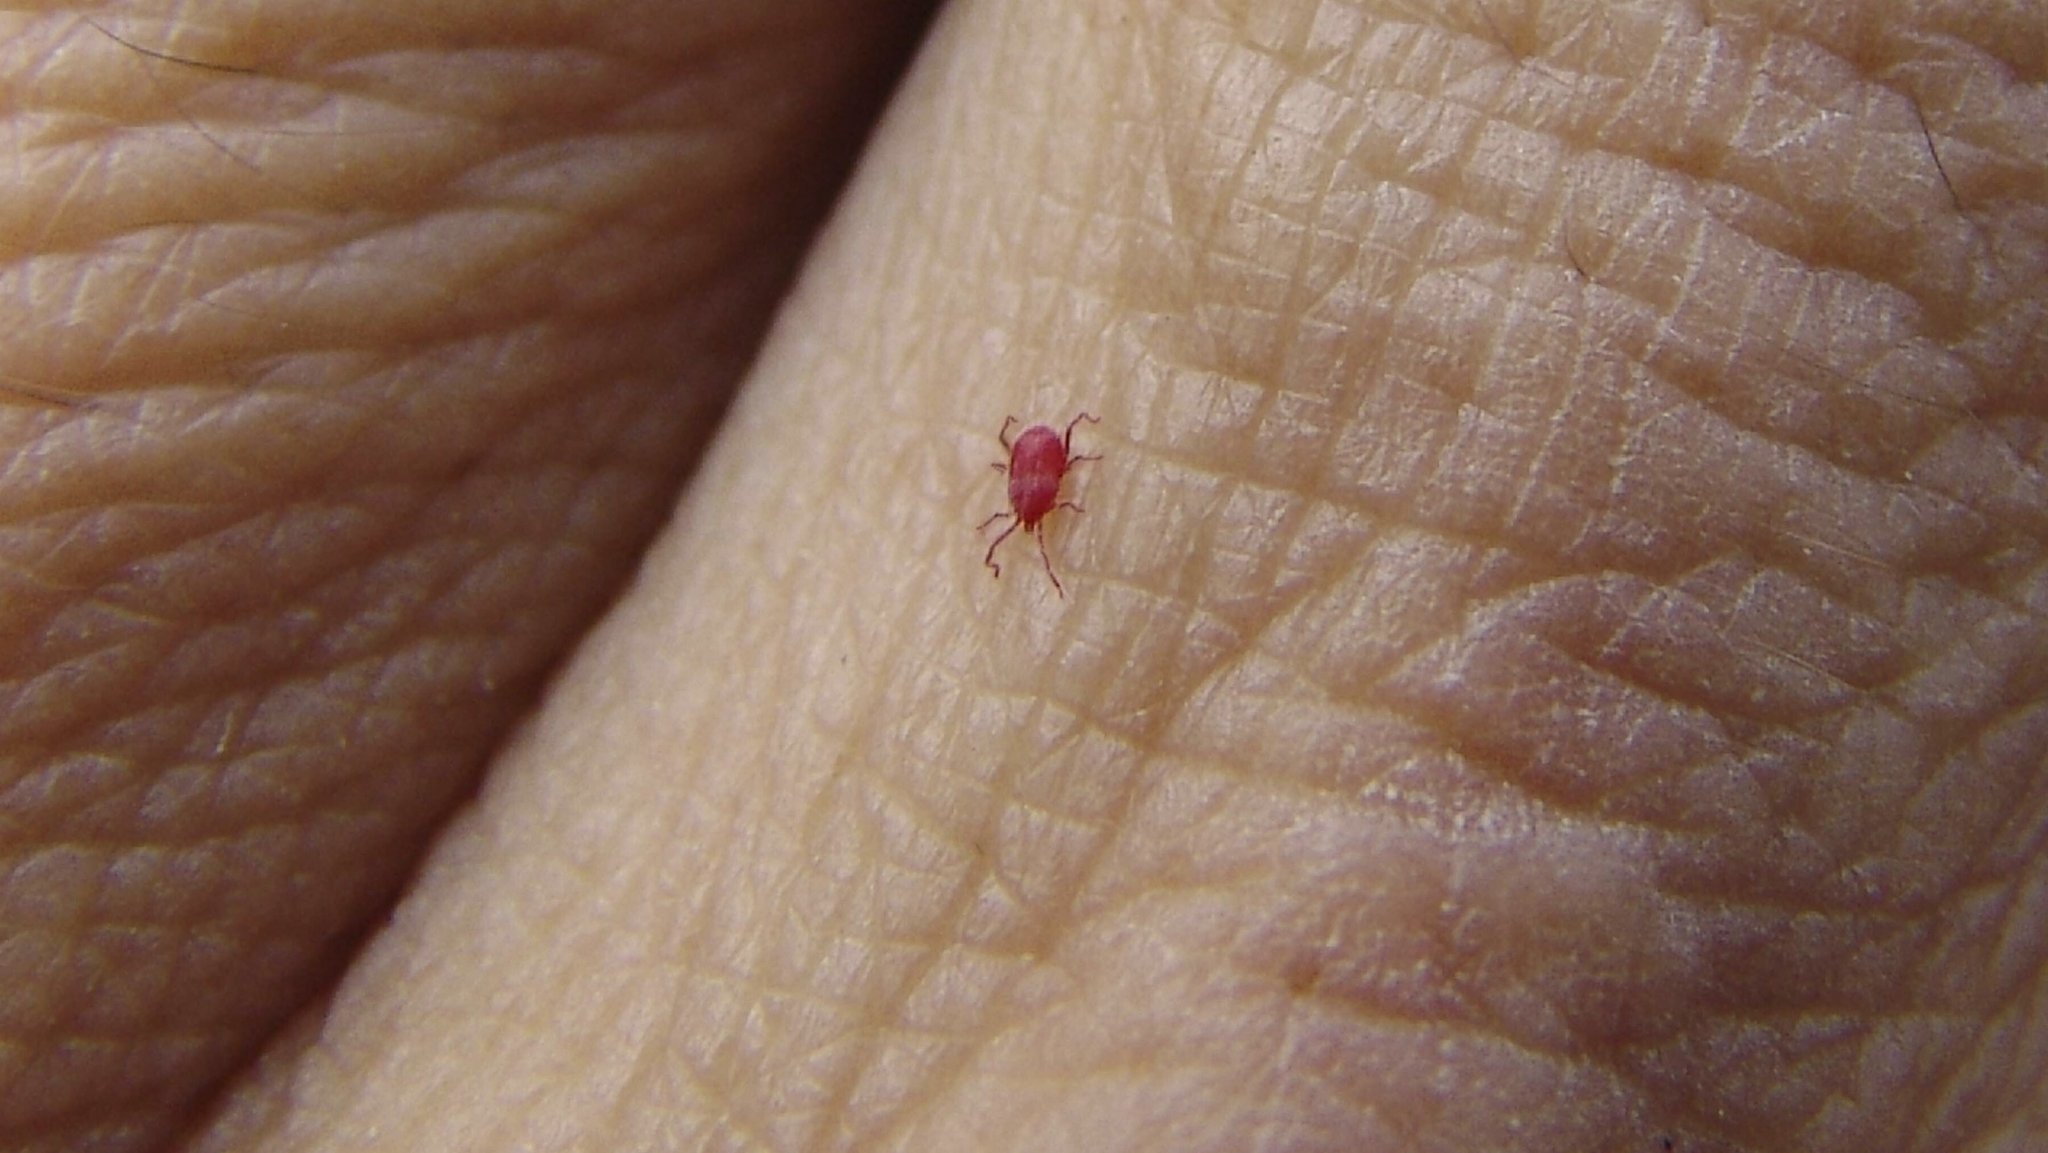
(1489, 827)
(340, 412)
(1197, 167)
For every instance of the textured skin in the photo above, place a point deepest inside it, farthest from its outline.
(350, 359)
(1558, 667)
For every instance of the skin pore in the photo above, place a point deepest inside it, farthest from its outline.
(1552, 659)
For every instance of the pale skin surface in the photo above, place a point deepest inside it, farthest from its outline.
(1551, 661)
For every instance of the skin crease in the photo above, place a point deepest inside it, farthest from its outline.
(1551, 661)
(352, 358)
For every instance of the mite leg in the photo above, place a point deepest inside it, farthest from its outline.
(990, 559)
(1047, 558)
(1004, 436)
(1068, 443)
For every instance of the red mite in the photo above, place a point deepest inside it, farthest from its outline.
(1039, 460)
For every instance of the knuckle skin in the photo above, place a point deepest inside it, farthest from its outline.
(335, 414)
(1654, 555)
(1531, 716)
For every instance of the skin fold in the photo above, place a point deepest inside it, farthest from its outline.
(352, 357)
(1552, 660)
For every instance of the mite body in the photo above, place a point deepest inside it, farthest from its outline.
(1040, 459)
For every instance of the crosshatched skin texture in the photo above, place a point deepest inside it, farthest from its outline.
(350, 357)
(1553, 661)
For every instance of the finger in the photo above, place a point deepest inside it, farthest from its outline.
(352, 352)
(1469, 727)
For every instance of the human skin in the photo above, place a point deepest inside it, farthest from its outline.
(1551, 659)
(353, 354)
